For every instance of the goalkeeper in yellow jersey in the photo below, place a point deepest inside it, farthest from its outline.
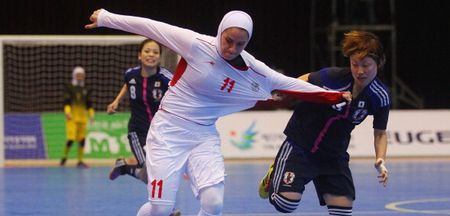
(78, 109)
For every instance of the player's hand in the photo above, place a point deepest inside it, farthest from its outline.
(111, 108)
(383, 175)
(278, 96)
(93, 19)
(347, 96)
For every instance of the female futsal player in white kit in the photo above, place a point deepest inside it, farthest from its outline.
(215, 77)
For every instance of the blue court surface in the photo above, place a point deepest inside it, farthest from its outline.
(416, 187)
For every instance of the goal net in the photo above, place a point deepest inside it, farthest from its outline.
(34, 71)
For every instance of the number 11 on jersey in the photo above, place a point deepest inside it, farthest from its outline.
(227, 83)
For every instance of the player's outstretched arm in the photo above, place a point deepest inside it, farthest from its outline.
(345, 95)
(112, 107)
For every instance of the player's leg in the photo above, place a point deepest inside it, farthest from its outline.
(162, 189)
(343, 205)
(144, 177)
(138, 171)
(167, 154)
(148, 209)
(81, 129)
(145, 210)
(122, 167)
(336, 189)
(69, 144)
(293, 169)
(81, 163)
(137, 143)
(211, 200)
(70, 134)
(206, 169)
(264, 184)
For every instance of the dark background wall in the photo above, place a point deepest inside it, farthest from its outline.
(281, 31)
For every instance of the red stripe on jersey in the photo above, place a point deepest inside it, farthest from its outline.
(325, 128)
(257, 72)
(181, 68)
(315, 97)
(144, 99)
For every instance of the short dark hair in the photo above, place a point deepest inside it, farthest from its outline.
(148, 40)
(363, 44)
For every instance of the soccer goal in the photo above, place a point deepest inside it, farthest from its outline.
(33, 73)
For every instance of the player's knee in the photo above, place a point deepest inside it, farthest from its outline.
(211, 200)
(211, 207)
(283, 204)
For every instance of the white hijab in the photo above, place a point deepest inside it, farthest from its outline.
(77, 70)
(234, 18)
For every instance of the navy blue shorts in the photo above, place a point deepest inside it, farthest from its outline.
(295, 167)
(137, 142)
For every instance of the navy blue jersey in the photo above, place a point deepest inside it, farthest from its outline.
(145, 96)
(326, 129)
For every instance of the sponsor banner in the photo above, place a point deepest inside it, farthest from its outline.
(252, 134)
(258, 134)
(419, 133)
(23, 137)
(106, 137)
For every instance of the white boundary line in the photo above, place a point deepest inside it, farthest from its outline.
(395, 206)
(2, 104)
(311, 213)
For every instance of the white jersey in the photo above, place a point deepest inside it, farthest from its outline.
(205, 86)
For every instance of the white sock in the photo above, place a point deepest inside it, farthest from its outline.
(154, 210)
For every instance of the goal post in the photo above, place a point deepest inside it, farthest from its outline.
(2, 102)
(34, 71)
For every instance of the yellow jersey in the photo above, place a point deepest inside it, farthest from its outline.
(77, 102)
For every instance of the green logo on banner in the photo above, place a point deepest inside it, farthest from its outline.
(106, 137)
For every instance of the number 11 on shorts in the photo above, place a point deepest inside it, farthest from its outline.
(157, 185)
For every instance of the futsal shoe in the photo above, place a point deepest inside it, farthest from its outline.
(82, 165)
(117, 170)
(175, 213)
(63, 161)
(265, 183)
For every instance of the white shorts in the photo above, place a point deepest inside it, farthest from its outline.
(176, 146)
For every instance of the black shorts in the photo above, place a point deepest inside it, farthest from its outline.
(137, 142)
(295, 167)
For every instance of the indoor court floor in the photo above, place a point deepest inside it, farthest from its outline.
(416, 187)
